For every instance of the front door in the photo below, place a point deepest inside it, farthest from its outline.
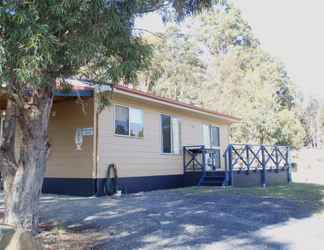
(211, 135)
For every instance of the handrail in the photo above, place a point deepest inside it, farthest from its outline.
(262, 158)
(194, 146)
(197, 154)
(258, 145)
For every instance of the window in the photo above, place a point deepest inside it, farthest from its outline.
(170, 134)
(122, 121)
(211, 135)
(136, 122)
(214, 137)
(129, 121)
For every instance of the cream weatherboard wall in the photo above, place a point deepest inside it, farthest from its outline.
(65, 161)
(82, 172)
(137, 157)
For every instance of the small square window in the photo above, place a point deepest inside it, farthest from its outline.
(129, 121)
(122, 121)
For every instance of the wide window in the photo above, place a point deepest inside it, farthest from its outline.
(170, 134)
(129, 121)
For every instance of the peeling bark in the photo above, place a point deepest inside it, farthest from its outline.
(7, 153)
(23, 179)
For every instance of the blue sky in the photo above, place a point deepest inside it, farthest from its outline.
(290, 30)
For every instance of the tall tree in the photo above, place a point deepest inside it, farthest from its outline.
(41, 43)
(214, 60)
(311, 118)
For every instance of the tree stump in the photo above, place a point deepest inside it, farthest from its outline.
(10, 239)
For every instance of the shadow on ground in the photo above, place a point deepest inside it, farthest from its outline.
(190, 218)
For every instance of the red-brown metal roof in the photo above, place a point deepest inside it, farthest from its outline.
(86, 85)
(168, 100)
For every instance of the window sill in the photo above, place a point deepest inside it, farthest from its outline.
(171, 154)
(129, 137)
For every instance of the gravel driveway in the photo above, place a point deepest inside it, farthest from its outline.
(192, 218)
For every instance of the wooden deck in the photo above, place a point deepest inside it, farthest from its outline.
(248, 165)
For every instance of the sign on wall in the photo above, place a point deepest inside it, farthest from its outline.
(79, 134)
(87, 131)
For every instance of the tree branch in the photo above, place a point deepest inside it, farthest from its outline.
(158, 35)
(157, 5)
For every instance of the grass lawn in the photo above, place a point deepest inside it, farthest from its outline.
(311, 194)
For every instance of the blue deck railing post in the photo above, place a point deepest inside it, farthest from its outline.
(184, 158)
(263, 172)
(226, 182)
(289, 164)
(277, 158)
(248, 148)
(202, 148)
(204, 158)
(230, 162)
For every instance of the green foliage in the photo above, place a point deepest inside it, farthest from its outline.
(304, 193)
(214, 60)
(311, 118)
(290, 130)
(45, 40)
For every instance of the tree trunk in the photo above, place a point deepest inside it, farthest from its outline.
(7, 152)
(23, 186)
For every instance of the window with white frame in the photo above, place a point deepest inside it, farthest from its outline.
(211, 135)
(129, 121)
(170, 134)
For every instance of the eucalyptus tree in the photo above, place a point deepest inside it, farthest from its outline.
(42, 42)
(213, 59)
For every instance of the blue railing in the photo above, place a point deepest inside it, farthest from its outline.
(244, 158)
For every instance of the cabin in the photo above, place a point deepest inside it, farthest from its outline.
(153, 142)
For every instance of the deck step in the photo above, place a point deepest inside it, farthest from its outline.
(212, 179)
(216, 174)
(211, 183)
(221, 178)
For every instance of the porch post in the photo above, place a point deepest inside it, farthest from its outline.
(263, 172)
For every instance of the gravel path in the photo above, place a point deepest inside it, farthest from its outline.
(192, 218)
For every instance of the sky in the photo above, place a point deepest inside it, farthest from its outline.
(290, 30)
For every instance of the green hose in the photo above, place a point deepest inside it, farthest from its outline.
(111, 180)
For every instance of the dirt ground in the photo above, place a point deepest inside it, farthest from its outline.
(287, 217)
(284, 217)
